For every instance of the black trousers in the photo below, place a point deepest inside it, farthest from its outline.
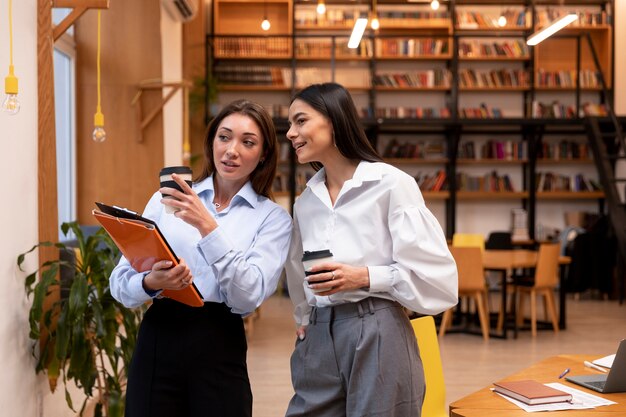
(189, 362)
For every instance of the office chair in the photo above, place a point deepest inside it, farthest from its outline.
(499, 241)
(469, 263)
(435, 398)
(465, 240)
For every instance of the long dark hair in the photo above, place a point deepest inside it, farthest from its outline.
(263, 175)
(334, 102)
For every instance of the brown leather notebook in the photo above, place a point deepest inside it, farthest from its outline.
(531, 392)
(142, 243)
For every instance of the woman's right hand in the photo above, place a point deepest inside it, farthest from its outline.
(164, 277)
(301, 332)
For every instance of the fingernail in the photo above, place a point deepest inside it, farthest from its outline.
(301, 336)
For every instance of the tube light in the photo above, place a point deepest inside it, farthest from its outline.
(550, 30)
(357, 33)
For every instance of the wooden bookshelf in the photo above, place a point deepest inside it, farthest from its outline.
(407, 45)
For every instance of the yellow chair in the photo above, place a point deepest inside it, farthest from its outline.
(545, 282)
(471, 240)
(435, 398)
(469, 263)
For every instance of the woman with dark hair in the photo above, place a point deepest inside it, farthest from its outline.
(232, 240)
(356, 353)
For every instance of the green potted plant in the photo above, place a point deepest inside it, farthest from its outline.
(88, 337)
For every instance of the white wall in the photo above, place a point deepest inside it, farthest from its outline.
(22, 392)
(19, 388)
(172, 64)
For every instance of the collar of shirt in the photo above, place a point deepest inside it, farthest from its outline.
(246, 193)
(365, 171)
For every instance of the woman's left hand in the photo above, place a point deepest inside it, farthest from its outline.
(338, 277)
(189, 207)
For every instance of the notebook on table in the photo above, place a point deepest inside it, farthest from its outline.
(531, 392)
(614, 381)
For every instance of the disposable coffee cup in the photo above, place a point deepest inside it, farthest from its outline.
(165, 178)
(310, 259)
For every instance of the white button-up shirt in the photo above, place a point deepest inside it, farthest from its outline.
(239, 263)
(379, 220)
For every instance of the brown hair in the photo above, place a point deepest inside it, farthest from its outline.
(334, 102)
(263, 175)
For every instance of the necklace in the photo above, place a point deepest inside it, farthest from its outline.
(217, 205)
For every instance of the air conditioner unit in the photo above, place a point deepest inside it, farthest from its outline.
(181, 10)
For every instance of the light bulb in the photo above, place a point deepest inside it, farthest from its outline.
(502, 21)
(375, 24)
(98, 135)
(434, 5)
(321, 8)
(265, 24)
(11, 105)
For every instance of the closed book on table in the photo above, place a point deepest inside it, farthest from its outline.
(531, 392)
(142, 243)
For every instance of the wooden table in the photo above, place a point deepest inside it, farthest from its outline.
(507, 260)
(485, 403)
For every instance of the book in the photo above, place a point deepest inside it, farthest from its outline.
(531, 392)
(142, 243)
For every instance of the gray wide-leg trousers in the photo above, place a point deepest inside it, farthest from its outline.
(357, 360)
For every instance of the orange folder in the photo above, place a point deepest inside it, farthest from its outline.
(143, 244)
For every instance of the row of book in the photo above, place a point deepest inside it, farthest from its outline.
(515, 19)
(494, 78)
(550, 181)
(482, 112)
(323, 48)
(506, 150)
(415, 149)
(251, 47)
(426, 78)
(407, 113)
(307, 17)
(585, 17)
(490, 182)
(253, 75)
(567, 78)
(489, 48)
(392, 47)
(563, 150)
(554, 110)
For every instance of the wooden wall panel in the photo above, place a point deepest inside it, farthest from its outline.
(194, 67)
(121, 170)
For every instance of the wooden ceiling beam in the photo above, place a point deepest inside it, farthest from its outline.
(79, 8)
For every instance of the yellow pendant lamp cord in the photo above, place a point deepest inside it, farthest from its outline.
(99, 134)
(99, 117)
(10, 82)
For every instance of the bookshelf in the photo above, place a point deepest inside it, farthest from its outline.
(455, 76)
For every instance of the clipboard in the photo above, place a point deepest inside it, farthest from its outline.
(142, 243)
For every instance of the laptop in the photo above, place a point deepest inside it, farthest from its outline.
(614, 381)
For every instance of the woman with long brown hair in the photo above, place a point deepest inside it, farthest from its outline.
(232, 240)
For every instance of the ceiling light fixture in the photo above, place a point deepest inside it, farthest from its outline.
(374, 23)
(265, 24)
(321, 7)
(550, 30)
(11, 104)
(357, 32)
